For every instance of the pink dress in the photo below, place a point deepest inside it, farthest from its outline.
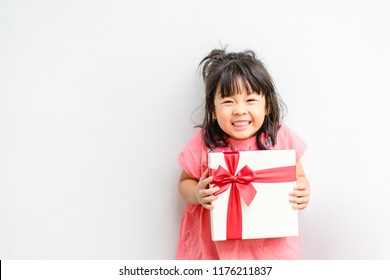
(195, 232)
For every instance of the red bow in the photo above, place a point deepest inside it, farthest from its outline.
(241, 186)
(241, 181)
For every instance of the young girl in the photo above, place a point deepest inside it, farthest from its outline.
(242, 112)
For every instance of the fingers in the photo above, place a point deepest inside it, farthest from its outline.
(207, 200)
(299, 203)
(204, 194)
(298, 193)
(204, 175)
(204, 180)
(299, 197)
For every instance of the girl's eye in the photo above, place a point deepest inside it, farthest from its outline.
(251, 100)
(227, 102)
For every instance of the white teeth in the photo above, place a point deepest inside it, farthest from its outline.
(243, 123)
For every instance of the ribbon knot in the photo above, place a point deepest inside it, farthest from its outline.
(242, 181)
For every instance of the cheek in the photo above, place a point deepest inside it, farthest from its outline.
(218, 114)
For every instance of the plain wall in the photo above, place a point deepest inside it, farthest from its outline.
(97, 99)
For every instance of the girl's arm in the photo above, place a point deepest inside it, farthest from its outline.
(300, 196)
(197, 192)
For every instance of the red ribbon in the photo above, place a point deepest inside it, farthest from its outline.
(241, 185)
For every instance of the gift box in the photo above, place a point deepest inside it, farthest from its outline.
(253, 200)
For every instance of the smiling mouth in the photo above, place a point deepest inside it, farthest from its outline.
(241, 123)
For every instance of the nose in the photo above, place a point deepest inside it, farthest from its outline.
(239, 109)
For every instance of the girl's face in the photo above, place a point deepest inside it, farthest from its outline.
(241, 115)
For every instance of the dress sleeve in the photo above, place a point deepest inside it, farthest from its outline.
(193, 158)
(288, 139)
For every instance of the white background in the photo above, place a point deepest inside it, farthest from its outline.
(97, 98)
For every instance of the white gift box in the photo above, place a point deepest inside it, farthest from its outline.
(269, 214)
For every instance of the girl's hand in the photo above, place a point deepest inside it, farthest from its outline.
(203, 194)
(300, 196)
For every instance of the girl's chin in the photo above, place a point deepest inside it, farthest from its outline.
(242, 136)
